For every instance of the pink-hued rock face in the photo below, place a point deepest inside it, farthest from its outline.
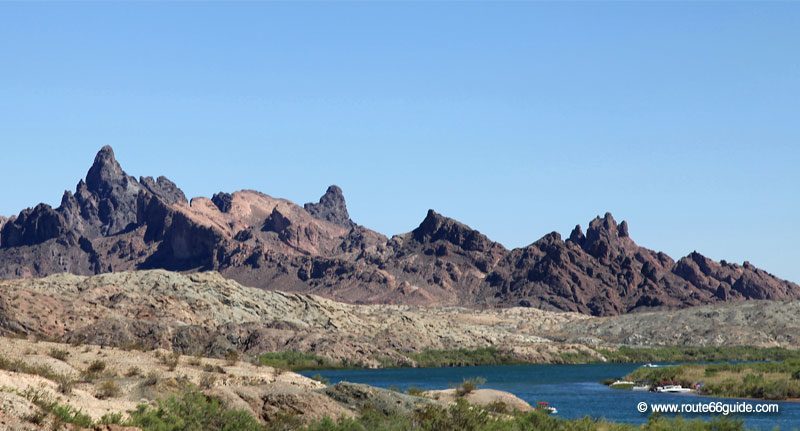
(113, 222)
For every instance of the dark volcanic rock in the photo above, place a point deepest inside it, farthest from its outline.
(111, 192)
(223, 201)
(164, 189)
(436, 227)
(32, 226)
(113, 222)
(331, 207)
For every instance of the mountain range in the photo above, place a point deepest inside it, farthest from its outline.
(113, 222)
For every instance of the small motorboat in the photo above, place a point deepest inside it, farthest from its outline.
(640, 388)
(673, 389)
(650, 365)
(546, 407)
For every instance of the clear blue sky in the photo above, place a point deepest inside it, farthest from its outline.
(517, 119)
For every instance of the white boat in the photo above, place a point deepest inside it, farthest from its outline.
(673, 389)
(640, 388)
(649, 365)
(623, 383)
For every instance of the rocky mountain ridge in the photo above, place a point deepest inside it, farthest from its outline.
(114, 222)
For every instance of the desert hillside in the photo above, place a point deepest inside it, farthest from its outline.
(207, 314)
(210, 315)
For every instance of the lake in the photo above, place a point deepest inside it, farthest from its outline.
(573, 389)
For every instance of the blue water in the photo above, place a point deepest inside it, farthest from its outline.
(573, 389)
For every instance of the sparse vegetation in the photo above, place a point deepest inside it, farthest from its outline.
(170, 360)
(96, 367)
(108, 389)
(469, 385)
(232, 358)
(295, 361)
(192, 410)
(210, 368)
(463, 416)
(463, 357)
(699, 354)
(415, 391)
(133, 372)
(207, 381)
(151, 379)
(20, 366)
(320, 378)
(59, 354)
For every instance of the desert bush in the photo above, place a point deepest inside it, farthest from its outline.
(469, 385)
(59, 354)
(207, 381)
(97, 366)
(151, 379)
(210, 368)
(415, 391)
(171, 360)
(108, 389)
(65, 383)
(133, 372)
(232, 357)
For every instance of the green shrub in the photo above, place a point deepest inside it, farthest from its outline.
(111, 419)
(295, 361)
(69, 415)
(463, 357)
(192, 411)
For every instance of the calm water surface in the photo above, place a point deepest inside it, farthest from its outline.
(573, 389)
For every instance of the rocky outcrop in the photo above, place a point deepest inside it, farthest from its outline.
(165, 189)
(33, 226)
(331, 207)
(112, 222)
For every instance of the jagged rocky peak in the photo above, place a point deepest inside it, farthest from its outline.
(106, 175)
(223, 201)
(164, 189)
(436, 227)
(577, 235)
(331, 207)
(32, 226)
(605, 237)
(108, 197)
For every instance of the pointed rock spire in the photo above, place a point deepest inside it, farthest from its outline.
(331, 207)
(109, 194)
(577, 235)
